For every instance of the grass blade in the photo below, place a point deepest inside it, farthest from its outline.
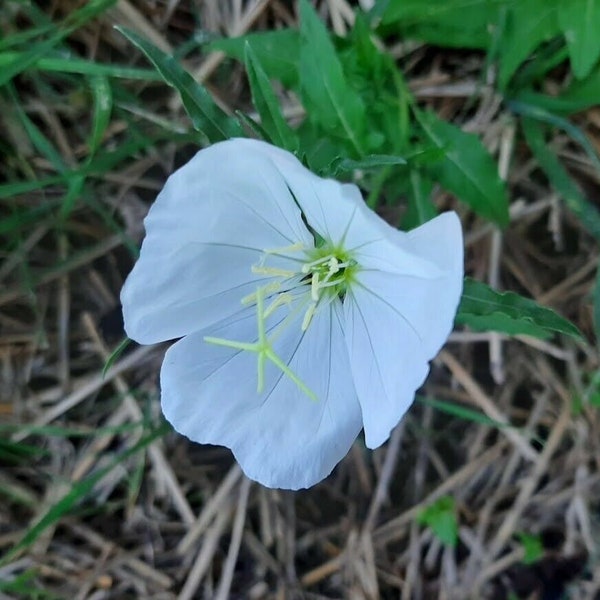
(206, 116)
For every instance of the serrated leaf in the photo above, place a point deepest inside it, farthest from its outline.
(467, 169)
(206, 116)
(326, 95)
(441, 518)
(277, 51)
(267, 105)
(484, 309)
(579, 21)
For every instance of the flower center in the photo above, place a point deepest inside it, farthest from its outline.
(329, 274)
(321, 276)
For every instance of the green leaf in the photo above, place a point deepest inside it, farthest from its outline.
(75, 20)
(586, 212)
(267, 105)
(596, 300)
(206, 116)
(278, 52)
(579, 21)
(79, 490)
(582, 94)
(41, 143)
(533, 547)
(326, 95)
(376, 78)
(372, 161)
(540, 114)
(462, 412)
(528, 24)
(78, 66)
(454, 23)
(565, 103)
(467, 170)
(103, 103)
(484, 309)
(420, 207)
(441, 518)
(115, 354)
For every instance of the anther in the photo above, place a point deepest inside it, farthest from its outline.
(314, 287)
(268, 289)
(283, 298)
(293, 248)
(272, 271)
(308, 315)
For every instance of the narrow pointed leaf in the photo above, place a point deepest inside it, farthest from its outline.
(103, 103)
(467, 169)
(371, 161)
(206, 116)
(326, 95)
(596, 299)
(484, 309)
(77, 18)
(579, 21)
(277, 51)
(420, 207)
(529, 23)
(267, 105)
(558, 176)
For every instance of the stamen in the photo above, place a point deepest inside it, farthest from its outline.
(284, 298)
(308, 315)
(314, 287)
(272, 271)
(293, 248)
(269, 289)
(331, 282)
(306, 267)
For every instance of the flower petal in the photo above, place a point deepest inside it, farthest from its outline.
(387, 359)
(421, 276)
(281, 437)
(336, 211)
(206, 229)
(397, 319)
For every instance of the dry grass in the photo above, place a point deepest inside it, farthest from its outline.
(179, 520)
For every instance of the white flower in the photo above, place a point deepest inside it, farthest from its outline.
(304, 317)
